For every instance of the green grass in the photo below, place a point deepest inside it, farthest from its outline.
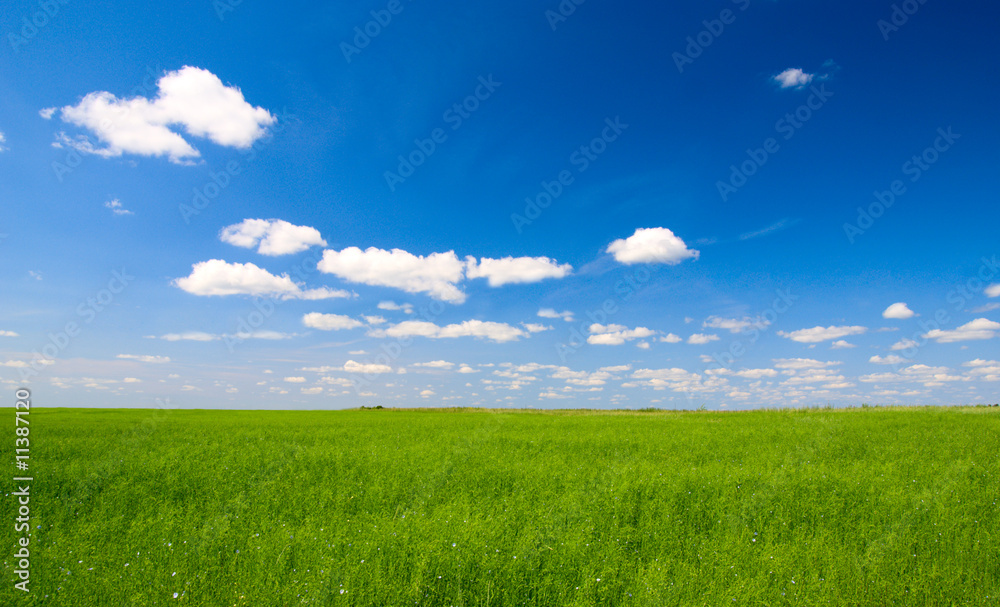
(457, 507)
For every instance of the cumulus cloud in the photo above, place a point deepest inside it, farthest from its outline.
(928, 376)
(117, 208)
(551, 313)
(330, 322)
(898, 311)
(3, 139)
(802, 363)
(904, 344)
(733, 325)
(891, 359)
(493, 331)
(217, 277)
(435, 364)
(9, 334)
(271, 236)
(980, 328)
(366, 368)
(651, 245)
(191, 98)
(616, 335)
(993, 290)
(700, 339)
(202, 336)
(670, 338)
(513, 270)
(145, 358)
(391, 305)
(436, 274)
(533, 327)
(840, 344)
(819, 334)
(793, 77)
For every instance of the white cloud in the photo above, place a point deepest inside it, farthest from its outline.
(891, 359)
(616, 335)
(436, 274)
(217, 277)
(295, 380)
(700, 339)
(983, 309)
(467, 369)
(435, 364)
(733, 325)
(391, 305)
(427, 393)
(670, 338)
(3, 139)
(993, 290)
(330, 322)
(131, 380)
(374, 320)
(818, 334)
(532, 327)
(493, 331)
(9, 334)
(311, 391)
(756, 373)
(202, 336)
(192, 98)
(980, 328)
(898, 311)
(928, 376)
(802, 363)
(47, 113)
(271, 236)
(651, 245)
(904, 344)
(840, 344)
(793, 77)
(366, 369)
(515, 270)
(117, 208)
(550, 313)
(643, 345)
(145, 358)
(190, 336)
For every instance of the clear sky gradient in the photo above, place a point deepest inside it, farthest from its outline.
(735, 203)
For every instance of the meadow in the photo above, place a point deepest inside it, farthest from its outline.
(864, 506)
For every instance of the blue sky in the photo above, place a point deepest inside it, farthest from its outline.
(738, 204)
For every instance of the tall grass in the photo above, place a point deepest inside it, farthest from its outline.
(824, 507)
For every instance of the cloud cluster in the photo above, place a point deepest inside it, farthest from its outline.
(217, 277)
(493, 331)
(616, 335)
(980, 328)
(515, 270)
(793, 77)
(820, 334)
(898, 311)
(191, 98)
(271, 236)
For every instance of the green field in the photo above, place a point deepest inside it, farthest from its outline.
(474, 507)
